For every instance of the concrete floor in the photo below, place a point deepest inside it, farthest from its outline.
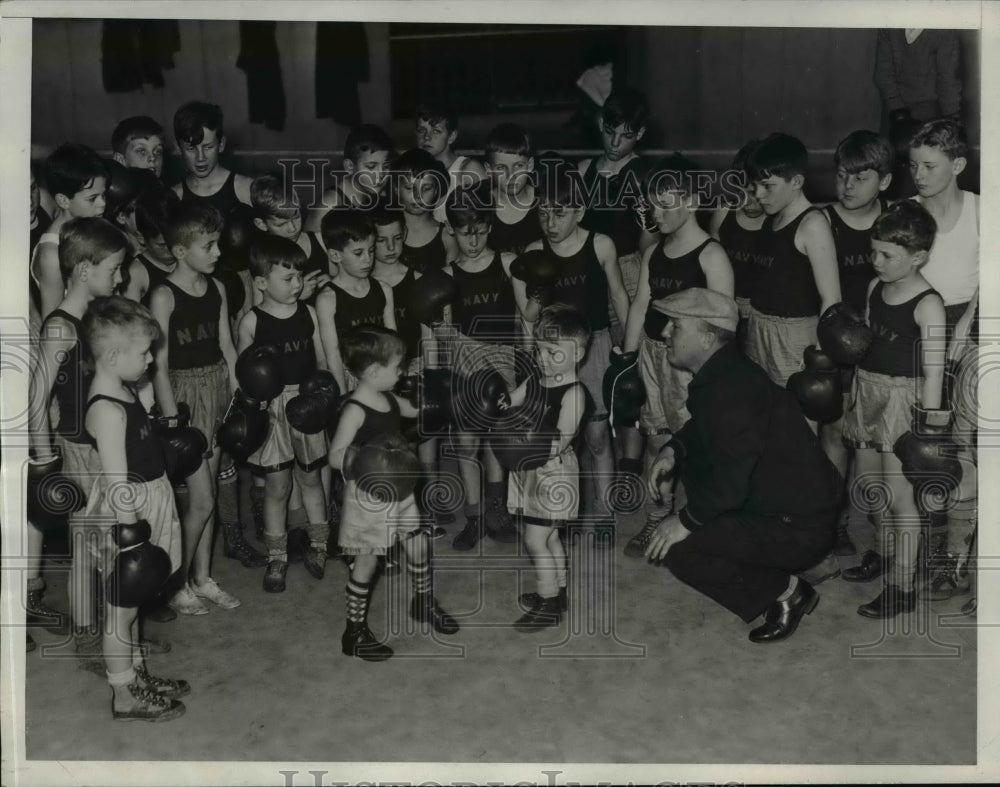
(643, 670)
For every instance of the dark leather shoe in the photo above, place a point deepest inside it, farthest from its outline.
(542, 615)
(872, 566)
(426, 610)
(889, 603)
(359, 641)
(529, 600)
(782, 617)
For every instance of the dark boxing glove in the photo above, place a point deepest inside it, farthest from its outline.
(51, 496)
(624, 392)
(539, 271)
(384, 468)
(258, 373)
(244, 427)
(184, 446)
(927, 452)
(476, 400)
(140, 568)
(430, 294)
(518, 443)
(430, 393)
(844, 335)
(818, 389)
(310, 412)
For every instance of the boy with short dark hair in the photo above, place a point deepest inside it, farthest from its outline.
(436, 132)
(351, 298)
(201, 139)
(138, 142)
(590, 277)
(509, 164)
(283, 320)
(799, 280)
(368, 154)
(937, 157)
(77, 179)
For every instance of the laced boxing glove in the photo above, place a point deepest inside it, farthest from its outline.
(624, 392)
(818, 388)
(430, 294)
(51, 496)
(927, 452)
(310, 411)
(140, 568)
(258, 373)
(844, 335)
(244, 427)
(184, 446)
(539, 271)
(384, 468)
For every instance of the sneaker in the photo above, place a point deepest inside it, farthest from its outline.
(949, 581)
(274, 577)
(469, 536)
(165, 687)
(185, 602)
(636, 546)
(315, 562)
(210, 590)
(37, 613)
(147, 706)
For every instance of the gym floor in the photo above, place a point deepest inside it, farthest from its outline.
(642, 670)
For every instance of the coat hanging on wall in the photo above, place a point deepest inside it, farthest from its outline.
(259, 59)
(134, 52)
(341, 62)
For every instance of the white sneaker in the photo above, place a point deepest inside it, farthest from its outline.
(211, 591)
(185, 602)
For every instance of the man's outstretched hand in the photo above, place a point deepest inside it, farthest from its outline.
(670, 531)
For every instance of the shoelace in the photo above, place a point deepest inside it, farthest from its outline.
(148, 696)
(153, 681)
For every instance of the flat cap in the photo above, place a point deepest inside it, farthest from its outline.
(711, 306)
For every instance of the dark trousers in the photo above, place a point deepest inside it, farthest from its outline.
(744, 562)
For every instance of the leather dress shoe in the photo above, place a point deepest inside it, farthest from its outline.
(783, 617)
(872, 566)
(890, 602)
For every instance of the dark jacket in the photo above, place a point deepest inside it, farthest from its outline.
(748, 448)
(926, 70)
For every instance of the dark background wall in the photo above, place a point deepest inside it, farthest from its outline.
(710, 89)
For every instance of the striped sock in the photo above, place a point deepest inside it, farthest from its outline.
(227, 503)
(420, 576)
(357, 600)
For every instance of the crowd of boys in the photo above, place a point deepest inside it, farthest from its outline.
(220, 303)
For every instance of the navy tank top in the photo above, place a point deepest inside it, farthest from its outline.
(292, 337)
(583, 285)
(143, 452)
(193, 339)
(430, 256)
(854, 258)
(544, 405)
(786, 287)
(317, 260)
(743, 249)
(407, 326)
(224, 200)
(353, 311)
(669, 275)
(72, 382)
(516, 237)
(485, 308)
(896, 348)
(611, 208)
(377, 423)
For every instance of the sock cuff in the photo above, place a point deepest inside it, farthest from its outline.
(116, 679)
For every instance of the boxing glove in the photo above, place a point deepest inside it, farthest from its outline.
(844, 335)
(624, 392)
(539, 271)
(235, 240)
(927, 452)
(818, 361)
(429, 393)
(258, 373)
(430, 294)
(51, 496)
(310, 411)
(819, 394)
(244, 427)
(384, 468)
(518, 443)
(120, 189)
(476, 400)
(140, 568)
